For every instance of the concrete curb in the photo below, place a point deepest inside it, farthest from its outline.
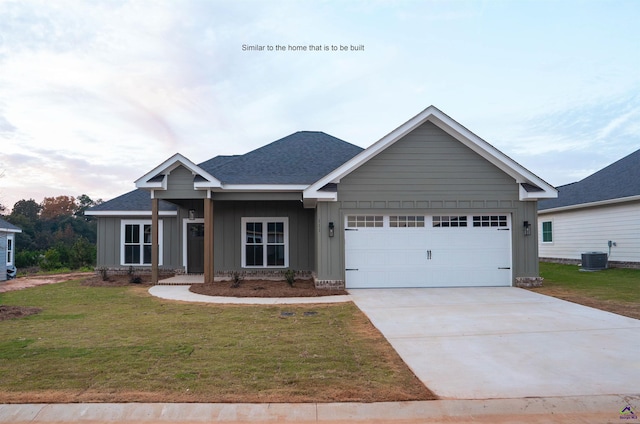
(563, 409)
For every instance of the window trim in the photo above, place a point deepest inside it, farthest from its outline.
(142, 223)
(550, 232)
(10, 250)
(264, 221)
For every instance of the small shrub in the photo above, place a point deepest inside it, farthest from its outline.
(290, 276)
(237, 279)
(104, 273)
(133, 278)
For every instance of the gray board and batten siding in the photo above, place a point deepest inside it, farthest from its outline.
(431, 173)
(229, 209)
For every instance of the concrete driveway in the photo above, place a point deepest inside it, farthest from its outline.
(504, 342)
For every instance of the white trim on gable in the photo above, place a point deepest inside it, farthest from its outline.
(169, 165)
(432, 114)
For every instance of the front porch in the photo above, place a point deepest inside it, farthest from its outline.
(182, 280)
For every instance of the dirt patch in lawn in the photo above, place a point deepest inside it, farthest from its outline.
(627, 309)
(21, 283)
(11, 312)
(38, 280)
(264, 288)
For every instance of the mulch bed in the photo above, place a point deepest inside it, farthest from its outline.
(11, 312)
(120, 280)
(264, 288)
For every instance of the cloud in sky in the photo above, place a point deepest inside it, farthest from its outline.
(94, 94)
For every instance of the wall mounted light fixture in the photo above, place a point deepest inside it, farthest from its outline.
(192, 214)
(526, 228)
(331, 229)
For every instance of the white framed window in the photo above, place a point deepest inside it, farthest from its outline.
(135, 242)
(10, 244)
(401, 221)
(547, 232)
(490, 221)
(365, 221)
(449, 221)
(265, 242)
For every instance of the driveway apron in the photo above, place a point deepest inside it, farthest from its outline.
(505, 342)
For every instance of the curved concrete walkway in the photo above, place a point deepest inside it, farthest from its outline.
(182, 293)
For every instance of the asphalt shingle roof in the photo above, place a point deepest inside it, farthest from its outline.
(136, 200)
(8, 226)
(300, 158)
(620, 179)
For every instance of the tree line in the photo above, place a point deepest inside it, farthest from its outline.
(55, 233)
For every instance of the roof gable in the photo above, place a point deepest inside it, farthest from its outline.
(531, 187)
(157, 177)
(619, 180)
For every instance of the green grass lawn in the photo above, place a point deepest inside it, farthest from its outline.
(121, 344)
(614, 289)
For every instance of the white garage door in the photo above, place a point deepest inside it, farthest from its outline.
(427, 251)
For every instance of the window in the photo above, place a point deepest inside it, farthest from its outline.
(547, 232)
(362, 221)
(136, 242)
(490, 221)
(406, 221)
(449, 221)
(265, 242)
(10, 249)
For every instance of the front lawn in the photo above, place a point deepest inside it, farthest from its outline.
(615, 290)
(119, 344)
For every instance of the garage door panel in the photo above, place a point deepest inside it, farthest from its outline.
(428, 257)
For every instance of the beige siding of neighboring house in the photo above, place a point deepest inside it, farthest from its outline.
(426, 172)
(590, 229)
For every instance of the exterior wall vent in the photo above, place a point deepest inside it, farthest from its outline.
(594, 261)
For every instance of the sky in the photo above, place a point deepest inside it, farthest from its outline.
(94, 94)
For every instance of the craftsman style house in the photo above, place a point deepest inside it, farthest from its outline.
(430, 204)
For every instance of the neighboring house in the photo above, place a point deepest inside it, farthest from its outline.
(429, 205)
(7, 249)
(600, 213)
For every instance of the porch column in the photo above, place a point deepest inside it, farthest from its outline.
(154, 241)
(208, 240)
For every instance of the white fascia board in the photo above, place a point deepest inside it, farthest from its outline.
(457, 131)
(590, 205)
(262, 187)
(169, 165)
(536, 195)
(9, 230)
(130, 213)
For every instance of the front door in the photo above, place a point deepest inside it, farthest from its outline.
(195, 248)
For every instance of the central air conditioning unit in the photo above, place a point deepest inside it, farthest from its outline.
(594, 261)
